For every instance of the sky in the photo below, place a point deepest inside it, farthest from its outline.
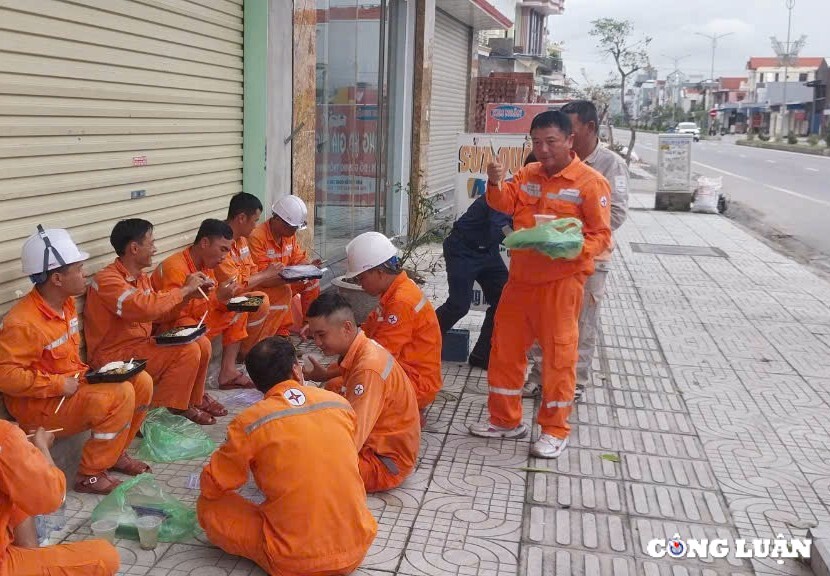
(672, 25)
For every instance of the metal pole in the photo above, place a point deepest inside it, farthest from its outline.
(784, 124)
(714, 38)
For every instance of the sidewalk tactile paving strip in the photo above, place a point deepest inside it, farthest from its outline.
(579, 529)
(546, 560)
(563, 491)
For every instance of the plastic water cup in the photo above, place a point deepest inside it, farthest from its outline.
(105, 529)
(148, 531)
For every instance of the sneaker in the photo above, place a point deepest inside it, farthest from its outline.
(548, 446)
(488, 430)
(579, 392)
(532, 388)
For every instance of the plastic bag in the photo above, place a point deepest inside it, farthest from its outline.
(560, 238)
(707, 195)
(142, 496)
(170, 438)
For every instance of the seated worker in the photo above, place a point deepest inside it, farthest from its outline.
(388, 428)
(42, 376)
(121, 307)
(299, 444)
(471, 253)
(275, 242)
(31, 485)
(211, 247)
(404, 322)
(243, 214)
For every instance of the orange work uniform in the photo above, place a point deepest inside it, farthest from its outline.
(30, 486)
(299, 443)
(39, 348)
(119, 313)
(405, 324)
(173, 273)
(239, 266)
(388, 424)
(266, 250)
(543, 296)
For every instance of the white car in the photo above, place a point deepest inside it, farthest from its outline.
(689, 128)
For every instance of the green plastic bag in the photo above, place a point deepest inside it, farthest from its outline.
(170, 438)
(142, 496)
(560, 238)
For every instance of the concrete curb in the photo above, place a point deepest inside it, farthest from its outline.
(820, 552)
(785, 148)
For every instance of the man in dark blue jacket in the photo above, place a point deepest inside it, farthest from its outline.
(471, 252)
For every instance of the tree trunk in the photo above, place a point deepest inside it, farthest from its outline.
(627, 119)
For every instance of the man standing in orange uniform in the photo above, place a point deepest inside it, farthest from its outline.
(275, 242)
(299, 444)
(41, 373)
(30, 485)
(543, 296)
(388, 432)
(121, 307)
(404, 322)
(243, 213)
(212, 245)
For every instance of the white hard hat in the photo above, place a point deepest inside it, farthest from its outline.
(49, 249)
(292, 210)
(368, 250)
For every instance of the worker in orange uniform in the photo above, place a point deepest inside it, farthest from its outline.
(121, 307)
(243, 214)
(543, 296)
(404, 322)
(211, 247)
(31, 485)
(388, 432)
(299, 444)
(275, 242)
(42, 375)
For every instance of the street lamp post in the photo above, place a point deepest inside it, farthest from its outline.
(714, 38)
(784, 124)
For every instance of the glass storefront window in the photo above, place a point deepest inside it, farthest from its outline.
(350, 153)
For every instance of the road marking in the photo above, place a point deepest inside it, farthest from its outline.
(813, 169)
(776, 188)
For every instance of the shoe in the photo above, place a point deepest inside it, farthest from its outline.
(579, 392)
(488, 430)
(548, 446)
(478, 362)
(532, 388)
(101, 484)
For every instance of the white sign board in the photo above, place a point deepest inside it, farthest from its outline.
(674, 162)
(474, 153)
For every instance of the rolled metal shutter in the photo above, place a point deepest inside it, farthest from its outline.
(113, 109)
(448, 106)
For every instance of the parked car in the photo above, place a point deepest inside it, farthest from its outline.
(689, 128)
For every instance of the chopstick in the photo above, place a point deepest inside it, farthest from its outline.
(199, 325)
(202, 292)
(48, 431)
(493, 150)
(64, 398)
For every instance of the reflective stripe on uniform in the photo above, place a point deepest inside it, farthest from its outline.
(421, 304)
(62, 340)
(295, 412)
(565, 198)
(108, 435)
(390, 363)
(505, 391)
(535, 193)
(390, 464)
(558, 404)
(279, 307)
(256, 323)
(120, 304)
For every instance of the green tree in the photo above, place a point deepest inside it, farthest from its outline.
(616, 38)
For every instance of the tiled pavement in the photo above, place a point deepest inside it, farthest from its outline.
(707, 417)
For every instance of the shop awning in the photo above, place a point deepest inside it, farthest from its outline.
(477, 14)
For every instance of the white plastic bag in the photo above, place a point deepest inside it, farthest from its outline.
(707, 195)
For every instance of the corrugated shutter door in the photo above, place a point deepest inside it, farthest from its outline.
(104, 100)
(448, 107)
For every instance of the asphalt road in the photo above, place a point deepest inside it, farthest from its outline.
(789, 191)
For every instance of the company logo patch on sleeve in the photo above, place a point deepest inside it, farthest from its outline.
(603, 201)
(393, 319)
(359, 389)
(294, 397)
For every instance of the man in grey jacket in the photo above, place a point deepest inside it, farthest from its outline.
(587, 146)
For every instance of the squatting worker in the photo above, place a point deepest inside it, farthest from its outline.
(275, 243)
(31, 485)
(583, 115)
(388, 432)
(121, 307)
(42, 375)
(543, 296)
(299, 443)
